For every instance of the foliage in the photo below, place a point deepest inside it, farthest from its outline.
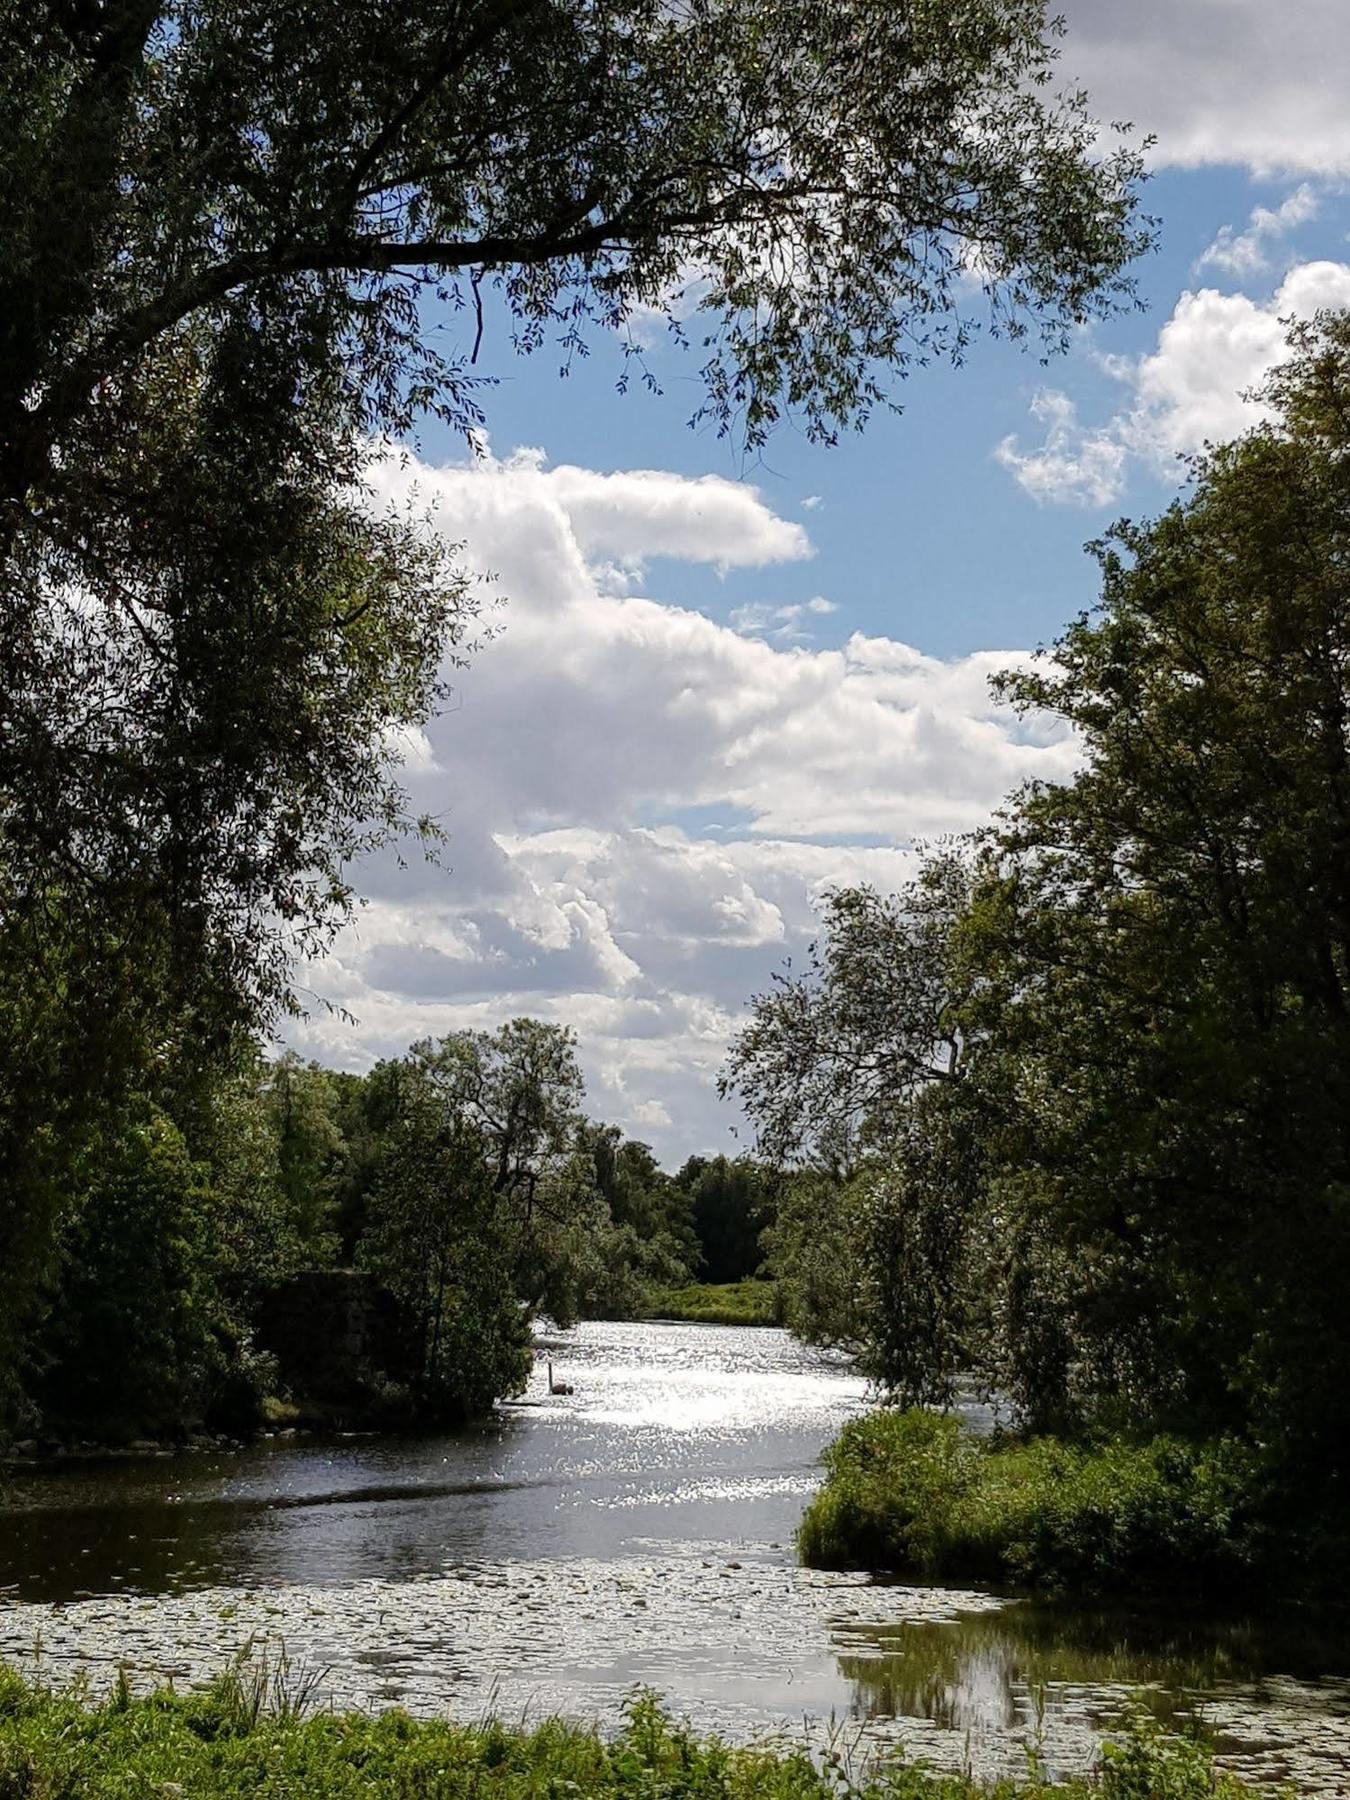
(827, 178)
(830, 1055)
(132, 1345)
(813, 1255)
(747, 1302)
(303, 1104)
(1165, 945)
(439, 1241)
(249, 1736)
(463, 1176)
(913, 1491)
(857, 1068)
(1091, 1072)
(641, 1197)
(731, 1203)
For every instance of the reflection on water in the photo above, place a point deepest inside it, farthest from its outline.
(1271, 1694)
(689, 1432)
(638, 1530)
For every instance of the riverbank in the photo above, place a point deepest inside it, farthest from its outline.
(252, 1733)
(748, 1302)
(912, 1492)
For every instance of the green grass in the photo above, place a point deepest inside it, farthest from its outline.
(250, 1735)
(748, 1302)
(910, 1491)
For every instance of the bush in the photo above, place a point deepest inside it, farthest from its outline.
(912, 1491)
(248, 1736)
(747, 1302)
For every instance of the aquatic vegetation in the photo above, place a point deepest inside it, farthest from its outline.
(747, 1302)
(252, 1733)
(910, 1490)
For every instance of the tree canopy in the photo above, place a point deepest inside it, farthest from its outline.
(462, 1178)
(1130, 1207)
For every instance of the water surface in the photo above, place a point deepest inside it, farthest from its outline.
(637, 1531)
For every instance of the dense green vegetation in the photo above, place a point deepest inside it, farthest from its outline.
(463, 1178)
(1075, 1104)
(747, 1302)
(247, 1735)
(910, 1490)
(213, 263)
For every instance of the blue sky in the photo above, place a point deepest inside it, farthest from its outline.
(919, 531)
(719, 688)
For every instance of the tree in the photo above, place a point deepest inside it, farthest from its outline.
(513, 1099)
(303, 1102)
(439, 1240)
(132, 1345)
(814, 1253)
(1129, 1208)
(521, 1088)
(649, 1240)
(220, 222)
(831, 176)
(731, 1203)
(828, 1055)
(1167, 941)
(857, 1068)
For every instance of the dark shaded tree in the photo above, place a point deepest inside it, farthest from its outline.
(732, 1204)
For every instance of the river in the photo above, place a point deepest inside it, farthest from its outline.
(637, 1531)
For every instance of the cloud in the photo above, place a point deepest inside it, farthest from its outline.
(595, 738)
(1195, 387)
(634, 514)
(1245, 253)
(1071, 465)
(640, 513)
(1220, 81)
(784, 623)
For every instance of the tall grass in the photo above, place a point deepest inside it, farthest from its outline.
(222, 1745)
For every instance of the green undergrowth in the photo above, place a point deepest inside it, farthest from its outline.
(252, 1734)
(747, 1302)
(911, 1491)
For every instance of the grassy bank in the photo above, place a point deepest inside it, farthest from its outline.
(746, 1302)
(910, 1491)
(245, 1736)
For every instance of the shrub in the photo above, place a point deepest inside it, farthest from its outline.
(912, 1491)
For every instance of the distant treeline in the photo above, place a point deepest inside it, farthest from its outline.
(463, 1179)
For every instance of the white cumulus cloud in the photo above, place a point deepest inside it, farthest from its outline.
(1070, 464)
(645, 805)
(1247, 252)
(787, 623)
(1194, 387)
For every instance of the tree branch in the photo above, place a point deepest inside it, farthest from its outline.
(454, 57)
